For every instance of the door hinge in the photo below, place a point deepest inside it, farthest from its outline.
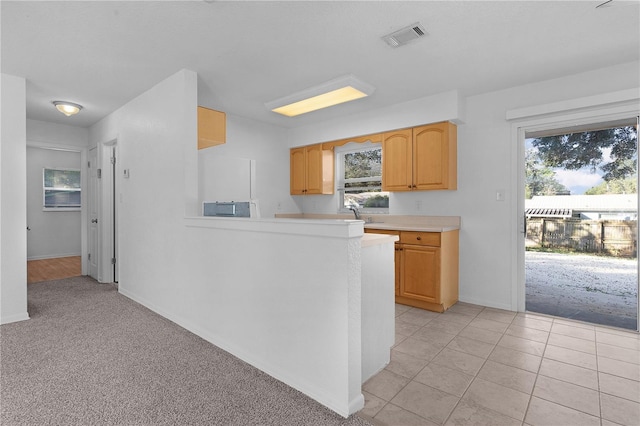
(89, 164)
(99, 173)
(89, 256)
(113, 260)
(113, 160)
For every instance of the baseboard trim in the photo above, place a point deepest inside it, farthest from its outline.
(486, 303)
(319, 395)
(14, 318)
(53, 256)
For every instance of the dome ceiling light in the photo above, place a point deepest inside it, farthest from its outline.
(67, 108)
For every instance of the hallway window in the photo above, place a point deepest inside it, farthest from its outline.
(61, 189)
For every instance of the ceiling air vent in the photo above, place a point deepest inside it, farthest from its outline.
(405, 35)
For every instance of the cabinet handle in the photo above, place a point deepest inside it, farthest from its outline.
(418, 238)
(408, 186)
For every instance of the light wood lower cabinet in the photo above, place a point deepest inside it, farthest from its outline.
(426, 265)
(420, 272)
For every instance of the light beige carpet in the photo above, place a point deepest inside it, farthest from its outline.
(90, 356)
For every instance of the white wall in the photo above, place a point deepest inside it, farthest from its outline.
(487, 161)
(267, 145)
(486, 153)
(52, 233)
(258, 292)
(13, 201)
(156, 137)
(43, 133)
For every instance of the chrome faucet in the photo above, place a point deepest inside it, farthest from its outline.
(355, 211)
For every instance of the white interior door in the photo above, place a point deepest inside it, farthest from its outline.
(114, 222)
(92, 216)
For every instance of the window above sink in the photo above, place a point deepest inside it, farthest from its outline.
(359, 178)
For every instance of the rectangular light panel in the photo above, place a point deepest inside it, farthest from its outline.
(325, 100)
(334, 92)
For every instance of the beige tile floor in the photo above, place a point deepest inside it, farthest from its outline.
(481, 366)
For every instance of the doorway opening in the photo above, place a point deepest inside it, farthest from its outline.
(54, 212)
(581, 223)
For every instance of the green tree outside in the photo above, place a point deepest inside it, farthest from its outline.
(617, 186)
(540, 179)
(586, 149)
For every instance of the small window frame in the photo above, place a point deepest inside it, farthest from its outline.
(51, 207)
(340, 152)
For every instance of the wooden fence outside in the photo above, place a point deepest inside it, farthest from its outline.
(612, 237)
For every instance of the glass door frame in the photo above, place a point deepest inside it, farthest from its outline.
(519, 129)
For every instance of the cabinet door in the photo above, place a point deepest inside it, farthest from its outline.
(420, 274)
(212, 127)
(314, 169)
(319, 170)
(397, 161)
(434, 159)
(397, 261)
(298, 169)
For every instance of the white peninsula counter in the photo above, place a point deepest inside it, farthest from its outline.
(309, 302)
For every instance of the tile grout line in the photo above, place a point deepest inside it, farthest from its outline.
(473, 316)
(535, 382)
(428, 362)
(475, 376)
(595, 339)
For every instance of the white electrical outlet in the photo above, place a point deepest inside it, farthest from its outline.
(500, 195)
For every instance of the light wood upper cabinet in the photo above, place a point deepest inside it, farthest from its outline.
(415, 159)
(435, 157)
(298, 171)
(212, 127)
(421, 158)
(397, 160)
(311, 170)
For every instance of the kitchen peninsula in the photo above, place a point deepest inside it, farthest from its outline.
(426, 256)
(309, 302)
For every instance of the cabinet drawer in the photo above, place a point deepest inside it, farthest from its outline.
(381, 231)
(420, 238)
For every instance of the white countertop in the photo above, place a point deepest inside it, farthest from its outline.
(410, 227)
(390, 222)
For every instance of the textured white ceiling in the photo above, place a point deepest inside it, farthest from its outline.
(103, 54)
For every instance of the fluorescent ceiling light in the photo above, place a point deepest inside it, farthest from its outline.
(333, 92)
(67, 108)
